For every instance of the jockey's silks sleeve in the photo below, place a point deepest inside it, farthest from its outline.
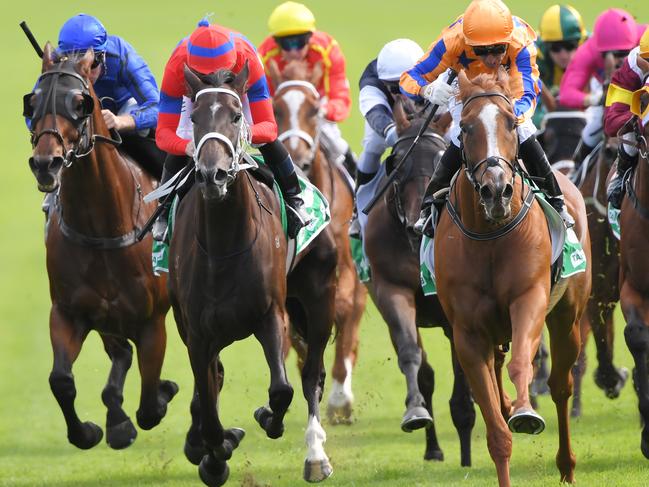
(451, 51)
(171, 101)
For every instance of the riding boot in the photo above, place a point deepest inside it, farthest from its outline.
(582, 151)
(615, 190)
(354, 225)
(159, 229)
(538, 166)
(350, 162)
(446, 168)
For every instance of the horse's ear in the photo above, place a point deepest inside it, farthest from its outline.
(502, 77)
(400, 117)
(85, 63)
(463, 82)
(273, 73)
(241, 80)
(193, 83)
(316, 74)
(442, 123)
(48, 57)
(643, 64)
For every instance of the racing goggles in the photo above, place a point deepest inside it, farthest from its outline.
(100, 57)
(293, 43)
(559, 46)
(622, 53)
(494, 50)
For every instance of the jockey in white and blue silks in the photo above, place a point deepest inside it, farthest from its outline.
(379, 87)
(123, 82)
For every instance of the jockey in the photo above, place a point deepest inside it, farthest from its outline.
(615, 31)
(561, 32)
(482, 40)
(120, 75)
(632, 76)
(293, 36)
(208, 49)
(379, 87)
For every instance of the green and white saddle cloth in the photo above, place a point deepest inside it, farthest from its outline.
(573, 256)
(614, 220)
(315, 204)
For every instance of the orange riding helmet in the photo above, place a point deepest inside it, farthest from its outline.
(487, 22)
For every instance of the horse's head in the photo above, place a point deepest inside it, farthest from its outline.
(489, 140)
(297, 110)
(220, 130)
(59, 109)
(416, 171)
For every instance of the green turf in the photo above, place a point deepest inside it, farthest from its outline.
(373, 451)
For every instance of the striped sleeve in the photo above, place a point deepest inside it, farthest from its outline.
(428, 68)
(524, 81)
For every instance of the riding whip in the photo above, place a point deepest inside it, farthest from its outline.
(393, 176)
(32, 39)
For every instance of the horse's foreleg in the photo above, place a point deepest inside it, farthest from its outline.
(609, 378)
(636, 335)
(67, 338)
(579, 367)
(564, 349)
(462, 409)
(475, 353)
(120, 431)
(155, 393)
(270, 334)
(426, 380)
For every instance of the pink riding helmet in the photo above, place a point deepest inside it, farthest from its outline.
(615, 30)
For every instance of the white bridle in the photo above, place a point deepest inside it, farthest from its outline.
(242, 141)
(297, 132)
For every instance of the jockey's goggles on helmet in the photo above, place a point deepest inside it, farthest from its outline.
(617, 54)
(293, 43)
(495, 50)
(100, 57)
(559, 46)
(393, 87)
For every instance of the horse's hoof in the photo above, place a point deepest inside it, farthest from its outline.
(91, 435)
(644, 443)
(167, 390)
(437, 455)
(194, 453)
(318, 470)
(264, 417)
(340, 414)
(416, 418)
(526, 421)
(575, 412)
(122, 435)
(234, 436)
(612, 388)
(212, 472)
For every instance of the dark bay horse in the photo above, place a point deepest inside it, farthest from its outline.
(100, 277)
(393, 251)
(634, 279)
(228, 258)
(297, 109)
(560, 134)
(493, 276)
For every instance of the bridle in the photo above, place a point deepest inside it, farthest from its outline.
(243, 138)
(311, 142)
(86, 142)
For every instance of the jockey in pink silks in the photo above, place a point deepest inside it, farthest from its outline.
(617, 32)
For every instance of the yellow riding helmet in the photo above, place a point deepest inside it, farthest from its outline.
(291, 18)
(644, 45)
(487, 22)
(562, 23)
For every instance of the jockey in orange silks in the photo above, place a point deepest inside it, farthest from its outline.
(482, 40)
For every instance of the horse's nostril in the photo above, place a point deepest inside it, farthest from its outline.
(508, 191)
(486, 193)
(220, 176)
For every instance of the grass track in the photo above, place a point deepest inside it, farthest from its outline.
(373, 451)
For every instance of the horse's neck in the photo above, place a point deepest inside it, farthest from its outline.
(97, 190)
(641, 181)
(228, 226)
(320, 174)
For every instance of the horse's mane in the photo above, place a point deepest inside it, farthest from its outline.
(295, 70)
(485, 83)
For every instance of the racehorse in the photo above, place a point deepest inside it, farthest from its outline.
(228, 257)
(100, 276)
(492, 265)
(297, 109)
(396, 289)
(634, 277)
(560, 134)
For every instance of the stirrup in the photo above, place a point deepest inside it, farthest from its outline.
(159, 229)
(354, 227)
(297, 218)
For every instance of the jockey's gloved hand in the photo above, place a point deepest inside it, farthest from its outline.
(438, 92)
(592, 99)
(391, 135)
(190, 148)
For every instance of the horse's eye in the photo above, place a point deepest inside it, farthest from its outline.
(236, 117)
(192, 118)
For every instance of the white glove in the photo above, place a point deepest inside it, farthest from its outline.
(190, 148)
(437, 92)
(592, 99)
(391, 135)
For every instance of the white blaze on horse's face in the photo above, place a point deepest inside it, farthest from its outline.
(214, 107)
(488, 116)
(294, 100)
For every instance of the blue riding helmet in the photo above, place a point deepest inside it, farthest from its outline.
(82, 32)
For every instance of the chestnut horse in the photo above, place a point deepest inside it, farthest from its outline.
(228, 259)
(297, 109)
(100, 277)
(634, 278)
(396, 289)
(493, 259)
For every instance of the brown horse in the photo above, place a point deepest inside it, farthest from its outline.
(634, 279)
(396, 289)
(297, 107)
(228, 281)
(100, 276)
(493, 259)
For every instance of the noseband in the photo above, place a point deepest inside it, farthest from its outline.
(311, 142)
(242, 140)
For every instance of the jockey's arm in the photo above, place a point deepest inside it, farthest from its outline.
(575, 80)
(524, 81)
(375, 109)
(339, 98)
(434, 62)
(264, 126)
(624, 82)
(171, 101)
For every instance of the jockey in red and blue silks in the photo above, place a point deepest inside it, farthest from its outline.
(208, 49)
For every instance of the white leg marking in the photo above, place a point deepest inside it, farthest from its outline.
(341, 394)
(294, 100)
(315, 437)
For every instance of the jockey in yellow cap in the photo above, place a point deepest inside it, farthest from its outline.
(482, 40)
